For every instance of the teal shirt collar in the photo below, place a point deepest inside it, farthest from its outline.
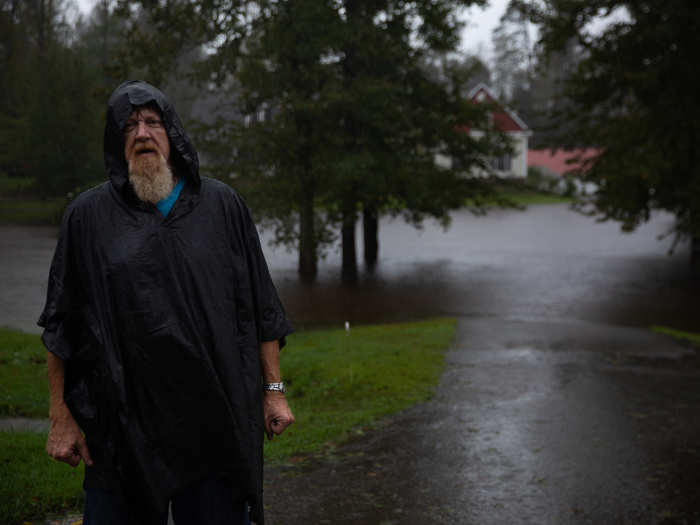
(166, 204)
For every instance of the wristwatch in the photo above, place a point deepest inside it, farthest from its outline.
(274, 387)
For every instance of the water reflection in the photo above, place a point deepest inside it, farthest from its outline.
(547, 263)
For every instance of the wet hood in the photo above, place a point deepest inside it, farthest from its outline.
(124, 99)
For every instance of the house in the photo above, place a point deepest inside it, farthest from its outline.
(506, 120)
(557, 164)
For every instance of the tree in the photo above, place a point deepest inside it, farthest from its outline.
(546, 98)
(512, 61)
(326, 109)
(396, 119)
(455, 76)
(630, 96)
(49, 126)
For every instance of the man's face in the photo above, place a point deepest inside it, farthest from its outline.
(145, 136)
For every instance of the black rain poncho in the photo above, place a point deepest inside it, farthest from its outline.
(159, 322)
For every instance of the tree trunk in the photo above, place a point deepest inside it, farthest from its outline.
(308, 262)
(370, 224)
(695, 255)
(349, 270)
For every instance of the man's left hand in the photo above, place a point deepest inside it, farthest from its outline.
(277, 414)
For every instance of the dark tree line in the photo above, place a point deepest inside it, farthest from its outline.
(53, 88)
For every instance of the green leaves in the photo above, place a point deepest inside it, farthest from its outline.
(631, 98)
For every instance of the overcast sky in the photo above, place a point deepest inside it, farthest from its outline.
(476, 38)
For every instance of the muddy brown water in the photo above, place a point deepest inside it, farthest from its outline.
(558, 405)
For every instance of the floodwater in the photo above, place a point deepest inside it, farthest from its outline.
(546, 262)
(558, 404)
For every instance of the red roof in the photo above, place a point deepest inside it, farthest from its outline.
(503, 120)
(559, 161)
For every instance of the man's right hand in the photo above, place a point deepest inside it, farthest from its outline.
(66, 442)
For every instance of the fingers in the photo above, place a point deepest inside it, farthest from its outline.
(279, 424)
(277, 414)
(65, 455)
(73, 460)
(84, 453)
(67, 448)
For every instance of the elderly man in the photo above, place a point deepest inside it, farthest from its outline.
(163, 329)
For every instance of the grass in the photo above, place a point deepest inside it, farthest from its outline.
(521, 194)
(691, 337)
(24, 390)
(31, 484)
(20, 205)
(31, 211)
(531, 198)
(337, 383)
(15, 185)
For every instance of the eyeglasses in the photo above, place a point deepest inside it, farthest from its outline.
(151, 123)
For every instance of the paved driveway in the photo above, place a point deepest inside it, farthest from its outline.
(534, 422)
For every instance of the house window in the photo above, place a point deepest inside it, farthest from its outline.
(503, 163)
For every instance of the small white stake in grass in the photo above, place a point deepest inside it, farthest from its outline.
(347, 327)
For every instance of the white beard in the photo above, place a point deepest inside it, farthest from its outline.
(151, 178)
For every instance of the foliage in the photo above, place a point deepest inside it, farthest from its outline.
(32, 485)
(630, 96)
(49, 124)
(512, 62)
(532, 85)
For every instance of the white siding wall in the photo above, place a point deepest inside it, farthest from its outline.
(519, 159)
(518, 166)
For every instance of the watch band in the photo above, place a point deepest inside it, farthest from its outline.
(274, 387)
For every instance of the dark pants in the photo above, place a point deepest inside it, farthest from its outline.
(209, 502)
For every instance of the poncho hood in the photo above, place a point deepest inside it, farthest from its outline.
(127, 97)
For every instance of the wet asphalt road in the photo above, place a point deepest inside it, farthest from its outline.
(558, 405)
(534, 422)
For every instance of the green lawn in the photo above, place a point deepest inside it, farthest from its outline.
(13, 186)
(19, 203)
(691, 337)
(529, 198)
(336, 382)
(31, 484)
(24, 387)
(31, 211)
(522, 197)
